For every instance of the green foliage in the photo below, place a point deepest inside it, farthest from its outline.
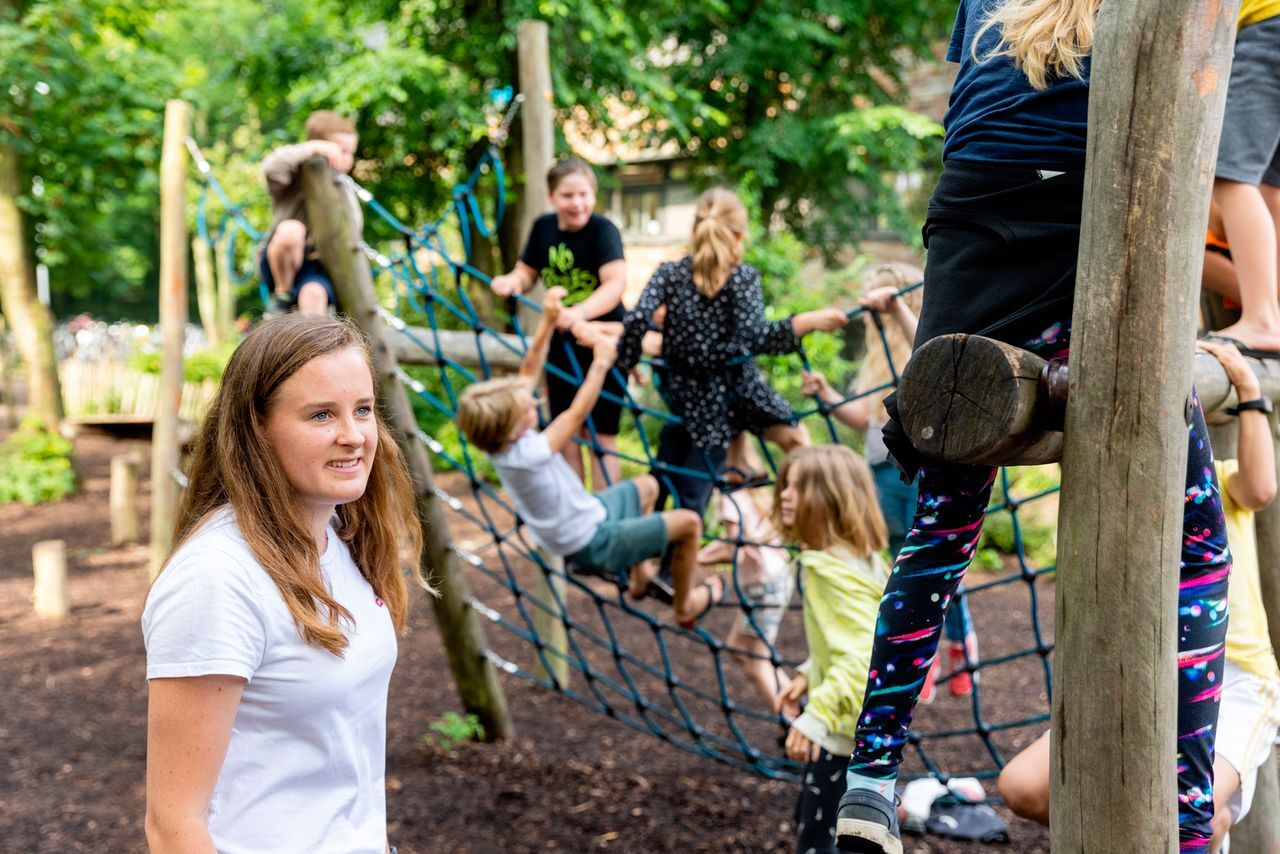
(35, 465)
(199, 366)
(782, 261)
(1038, 532)
(452, 729)
(799, 104)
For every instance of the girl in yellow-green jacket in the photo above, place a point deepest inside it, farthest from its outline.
(826, 501)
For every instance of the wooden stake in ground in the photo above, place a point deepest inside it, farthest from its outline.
(206, 290)
(460, 630)
(1159, 78)
(124, 499)
(49, 563)
(173, 321)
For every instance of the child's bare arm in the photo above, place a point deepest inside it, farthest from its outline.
(521, 278)
(852, 413)
(536, 357)
(587, 332)
(567, 424)
(887, 301)
(1253, 485)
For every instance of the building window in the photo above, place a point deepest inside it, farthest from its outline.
(640, 211)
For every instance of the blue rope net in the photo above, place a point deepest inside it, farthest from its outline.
(626, 659)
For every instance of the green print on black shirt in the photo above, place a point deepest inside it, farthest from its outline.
(560, 272)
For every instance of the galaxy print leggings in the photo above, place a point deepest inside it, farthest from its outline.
(949, 516)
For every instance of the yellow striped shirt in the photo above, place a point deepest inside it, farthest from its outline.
(1253, 11)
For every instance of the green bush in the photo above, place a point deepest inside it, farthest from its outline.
(35, 465)
(198, 367)
(1039, 537)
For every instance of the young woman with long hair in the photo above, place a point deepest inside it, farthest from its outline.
(271, 629)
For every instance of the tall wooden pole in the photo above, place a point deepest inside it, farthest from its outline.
(1159, 78)
(31, 321)
(538, 134)
(206, 290)
(1260, 829)
(173, 321)
(460, 629)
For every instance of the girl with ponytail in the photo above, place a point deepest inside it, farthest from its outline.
(1003, 233)
(714, 326)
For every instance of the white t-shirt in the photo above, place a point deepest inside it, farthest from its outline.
(304, 767)
(560, 514)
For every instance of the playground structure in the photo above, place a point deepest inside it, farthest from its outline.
(1146, 201)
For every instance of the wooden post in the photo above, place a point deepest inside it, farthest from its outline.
(549, 590)
(458, 347)
(970, 399)
(173, 320)
(226, 285)
(538, 136)
(8, 405)
(1260, 830)
(49, 562)
(124, 499)
(460, 629)
(1159, 78)
(206, 289)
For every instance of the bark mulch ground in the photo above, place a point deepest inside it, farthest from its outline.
(73, 726)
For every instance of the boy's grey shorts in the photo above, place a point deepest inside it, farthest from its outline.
(1250, 147)
(627, 536)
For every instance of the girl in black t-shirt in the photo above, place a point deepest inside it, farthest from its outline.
(581, 251)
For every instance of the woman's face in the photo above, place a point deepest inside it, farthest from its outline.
(789, 498)
(322, 428)
(573, 200)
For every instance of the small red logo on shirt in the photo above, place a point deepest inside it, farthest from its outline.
(378, 601)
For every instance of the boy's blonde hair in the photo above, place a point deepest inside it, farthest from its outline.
(488, 411)
(719, 221)
(326, 124)
(875, 370)
(836, 501)
(1045, 38)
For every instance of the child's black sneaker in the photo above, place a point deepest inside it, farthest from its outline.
(867, 823)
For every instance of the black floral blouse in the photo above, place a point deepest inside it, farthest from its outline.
(711, 380)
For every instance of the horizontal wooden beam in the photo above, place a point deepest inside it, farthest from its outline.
(456, 346)
(969, 399)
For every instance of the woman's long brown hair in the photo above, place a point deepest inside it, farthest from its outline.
(234, 465)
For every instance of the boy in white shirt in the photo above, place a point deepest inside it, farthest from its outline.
(614, 531)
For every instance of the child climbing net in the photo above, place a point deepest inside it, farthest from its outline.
(625, 658)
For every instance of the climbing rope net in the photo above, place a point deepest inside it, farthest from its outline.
(627, 659)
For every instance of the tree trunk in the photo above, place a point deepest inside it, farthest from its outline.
(32, 323)
(1160, 71)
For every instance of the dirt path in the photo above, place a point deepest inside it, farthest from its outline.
(72, 730)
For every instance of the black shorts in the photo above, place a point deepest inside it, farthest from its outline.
(607, 414)
(310, 271)
(1002, 245)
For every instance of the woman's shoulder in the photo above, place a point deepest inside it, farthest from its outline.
(683, 266)
(217, 552)
(674, 272)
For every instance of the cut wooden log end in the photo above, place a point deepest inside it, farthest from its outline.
(969, 399)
